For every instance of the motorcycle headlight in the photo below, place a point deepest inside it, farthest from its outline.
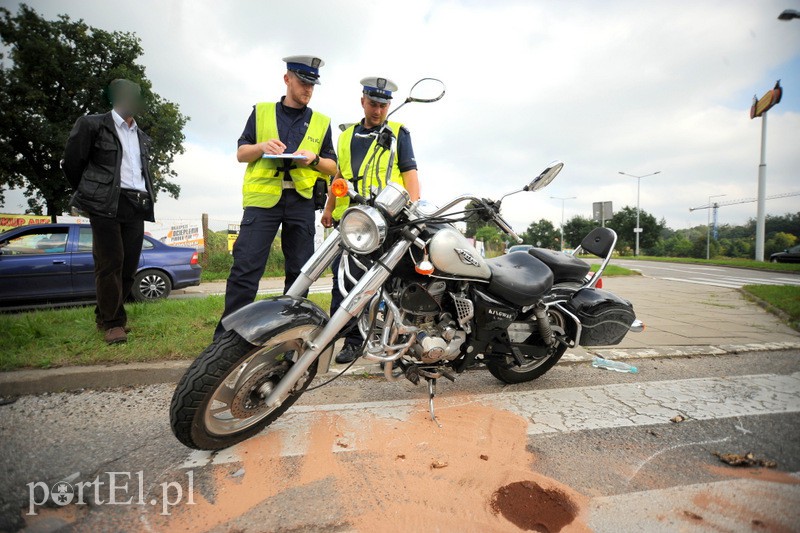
(363, 229)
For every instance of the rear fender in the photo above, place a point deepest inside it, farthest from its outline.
(257, 322)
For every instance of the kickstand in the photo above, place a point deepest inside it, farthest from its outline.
(431, 395)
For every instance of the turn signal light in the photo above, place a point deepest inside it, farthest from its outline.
(339, 188)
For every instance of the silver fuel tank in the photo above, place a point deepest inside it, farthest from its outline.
(455, 257)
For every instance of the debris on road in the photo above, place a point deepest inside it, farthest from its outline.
(618, 366)
(677, 418)
(747, 459)
(484, 457)
(438, 464)
(533, 508)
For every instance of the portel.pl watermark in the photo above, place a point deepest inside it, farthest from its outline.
(117, 492)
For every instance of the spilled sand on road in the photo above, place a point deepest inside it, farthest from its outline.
(472, 474)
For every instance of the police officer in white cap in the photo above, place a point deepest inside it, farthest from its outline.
(355, 145)
(277, 191)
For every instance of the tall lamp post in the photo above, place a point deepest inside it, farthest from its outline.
(637, 230)
(562, 215)
(708, 225)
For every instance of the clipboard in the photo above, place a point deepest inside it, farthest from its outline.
(282, 156)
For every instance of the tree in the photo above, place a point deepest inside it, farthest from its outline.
(779, 242)
(491, 237)
(58, 72)
(624, 221)
(575, 229)
(542, 234)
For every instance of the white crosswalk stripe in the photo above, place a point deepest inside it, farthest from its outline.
(559, 410)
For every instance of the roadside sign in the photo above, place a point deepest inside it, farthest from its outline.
(770, 98)
(601, 212)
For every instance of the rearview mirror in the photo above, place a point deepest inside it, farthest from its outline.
(426, 90)
(543, 180)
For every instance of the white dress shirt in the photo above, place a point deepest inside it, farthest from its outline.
(131, 170)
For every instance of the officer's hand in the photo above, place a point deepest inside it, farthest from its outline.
(309, 157)
(327, 219)
(273, 147)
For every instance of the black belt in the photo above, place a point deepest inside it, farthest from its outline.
(135, 194)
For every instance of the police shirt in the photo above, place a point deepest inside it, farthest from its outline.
(292, 126)
(362, 140)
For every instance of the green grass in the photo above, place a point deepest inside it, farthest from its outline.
(723, 261)
(615, 270)
(783, 297)
(165, 330)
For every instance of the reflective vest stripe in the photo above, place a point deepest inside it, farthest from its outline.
(263, 178)
(345, 166)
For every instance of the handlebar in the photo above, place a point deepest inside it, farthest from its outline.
(505, 226)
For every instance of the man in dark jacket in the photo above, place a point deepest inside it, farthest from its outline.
(106, 162)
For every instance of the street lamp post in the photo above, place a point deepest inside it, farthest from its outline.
(708, 225)
(637, 230)
(562, 215)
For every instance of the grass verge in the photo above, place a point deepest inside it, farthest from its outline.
(616, 270)
(740, 263)
(783, 298)
(164, 330)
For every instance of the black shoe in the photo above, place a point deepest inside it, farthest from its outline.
(348, 354)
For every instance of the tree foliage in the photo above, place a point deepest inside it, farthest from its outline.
(542, 234)
(624, 221)
(575, 229)
(57, 72)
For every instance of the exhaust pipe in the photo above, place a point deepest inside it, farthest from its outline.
(637, 326)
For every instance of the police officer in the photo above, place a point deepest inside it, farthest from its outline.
(355, 145)
(277, 191)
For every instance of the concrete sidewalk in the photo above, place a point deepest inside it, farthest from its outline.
(681, 319)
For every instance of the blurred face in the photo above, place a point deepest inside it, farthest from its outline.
(298, 92)
(374, 112)
(126, 97)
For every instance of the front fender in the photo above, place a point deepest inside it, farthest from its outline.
(257, 322)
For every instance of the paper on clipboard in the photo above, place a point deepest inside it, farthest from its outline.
(282, 156)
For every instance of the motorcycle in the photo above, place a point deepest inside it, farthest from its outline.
(427, 304)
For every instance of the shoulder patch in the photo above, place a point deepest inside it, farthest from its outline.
(403, 128)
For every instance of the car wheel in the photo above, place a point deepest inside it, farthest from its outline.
(151, 285)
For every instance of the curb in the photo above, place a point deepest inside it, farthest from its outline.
(29, 382)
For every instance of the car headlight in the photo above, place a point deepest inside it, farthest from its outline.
(363, 229)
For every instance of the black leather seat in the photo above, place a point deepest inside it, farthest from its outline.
(519, 278)
(565, 267)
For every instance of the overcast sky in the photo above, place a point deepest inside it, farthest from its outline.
(606, 86)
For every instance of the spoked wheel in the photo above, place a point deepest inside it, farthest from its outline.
(221, 399)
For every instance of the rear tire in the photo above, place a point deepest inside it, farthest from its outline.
(220, 400)
(509, 372)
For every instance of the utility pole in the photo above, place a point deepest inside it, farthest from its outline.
(638, 229)
(759, 109)
(562, 215)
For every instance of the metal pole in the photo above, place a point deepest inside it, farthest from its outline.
(638, 188)
(708, 224)
(562, 215)
(762, 188)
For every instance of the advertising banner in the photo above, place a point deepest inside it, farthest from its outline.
(10, 221)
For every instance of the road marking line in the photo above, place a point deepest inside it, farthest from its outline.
(709, 282)
(557, 410)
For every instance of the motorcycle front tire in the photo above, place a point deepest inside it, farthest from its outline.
(219, 401)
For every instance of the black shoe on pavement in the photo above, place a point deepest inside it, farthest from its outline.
(348, 354)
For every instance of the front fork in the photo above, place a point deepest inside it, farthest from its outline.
(351, 307)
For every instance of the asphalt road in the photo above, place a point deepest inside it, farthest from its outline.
(718, 276)
(584, 448)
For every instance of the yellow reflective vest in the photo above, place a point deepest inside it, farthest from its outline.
(263, 178)
(363, 186)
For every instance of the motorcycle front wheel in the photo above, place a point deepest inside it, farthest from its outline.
(220, 401)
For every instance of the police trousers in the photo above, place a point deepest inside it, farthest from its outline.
(295, 215)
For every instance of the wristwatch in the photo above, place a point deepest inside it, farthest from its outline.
(315, 162)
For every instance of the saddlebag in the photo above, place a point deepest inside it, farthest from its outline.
(605, 317)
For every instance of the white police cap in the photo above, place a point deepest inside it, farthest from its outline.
(306, 67)
(379, 89)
